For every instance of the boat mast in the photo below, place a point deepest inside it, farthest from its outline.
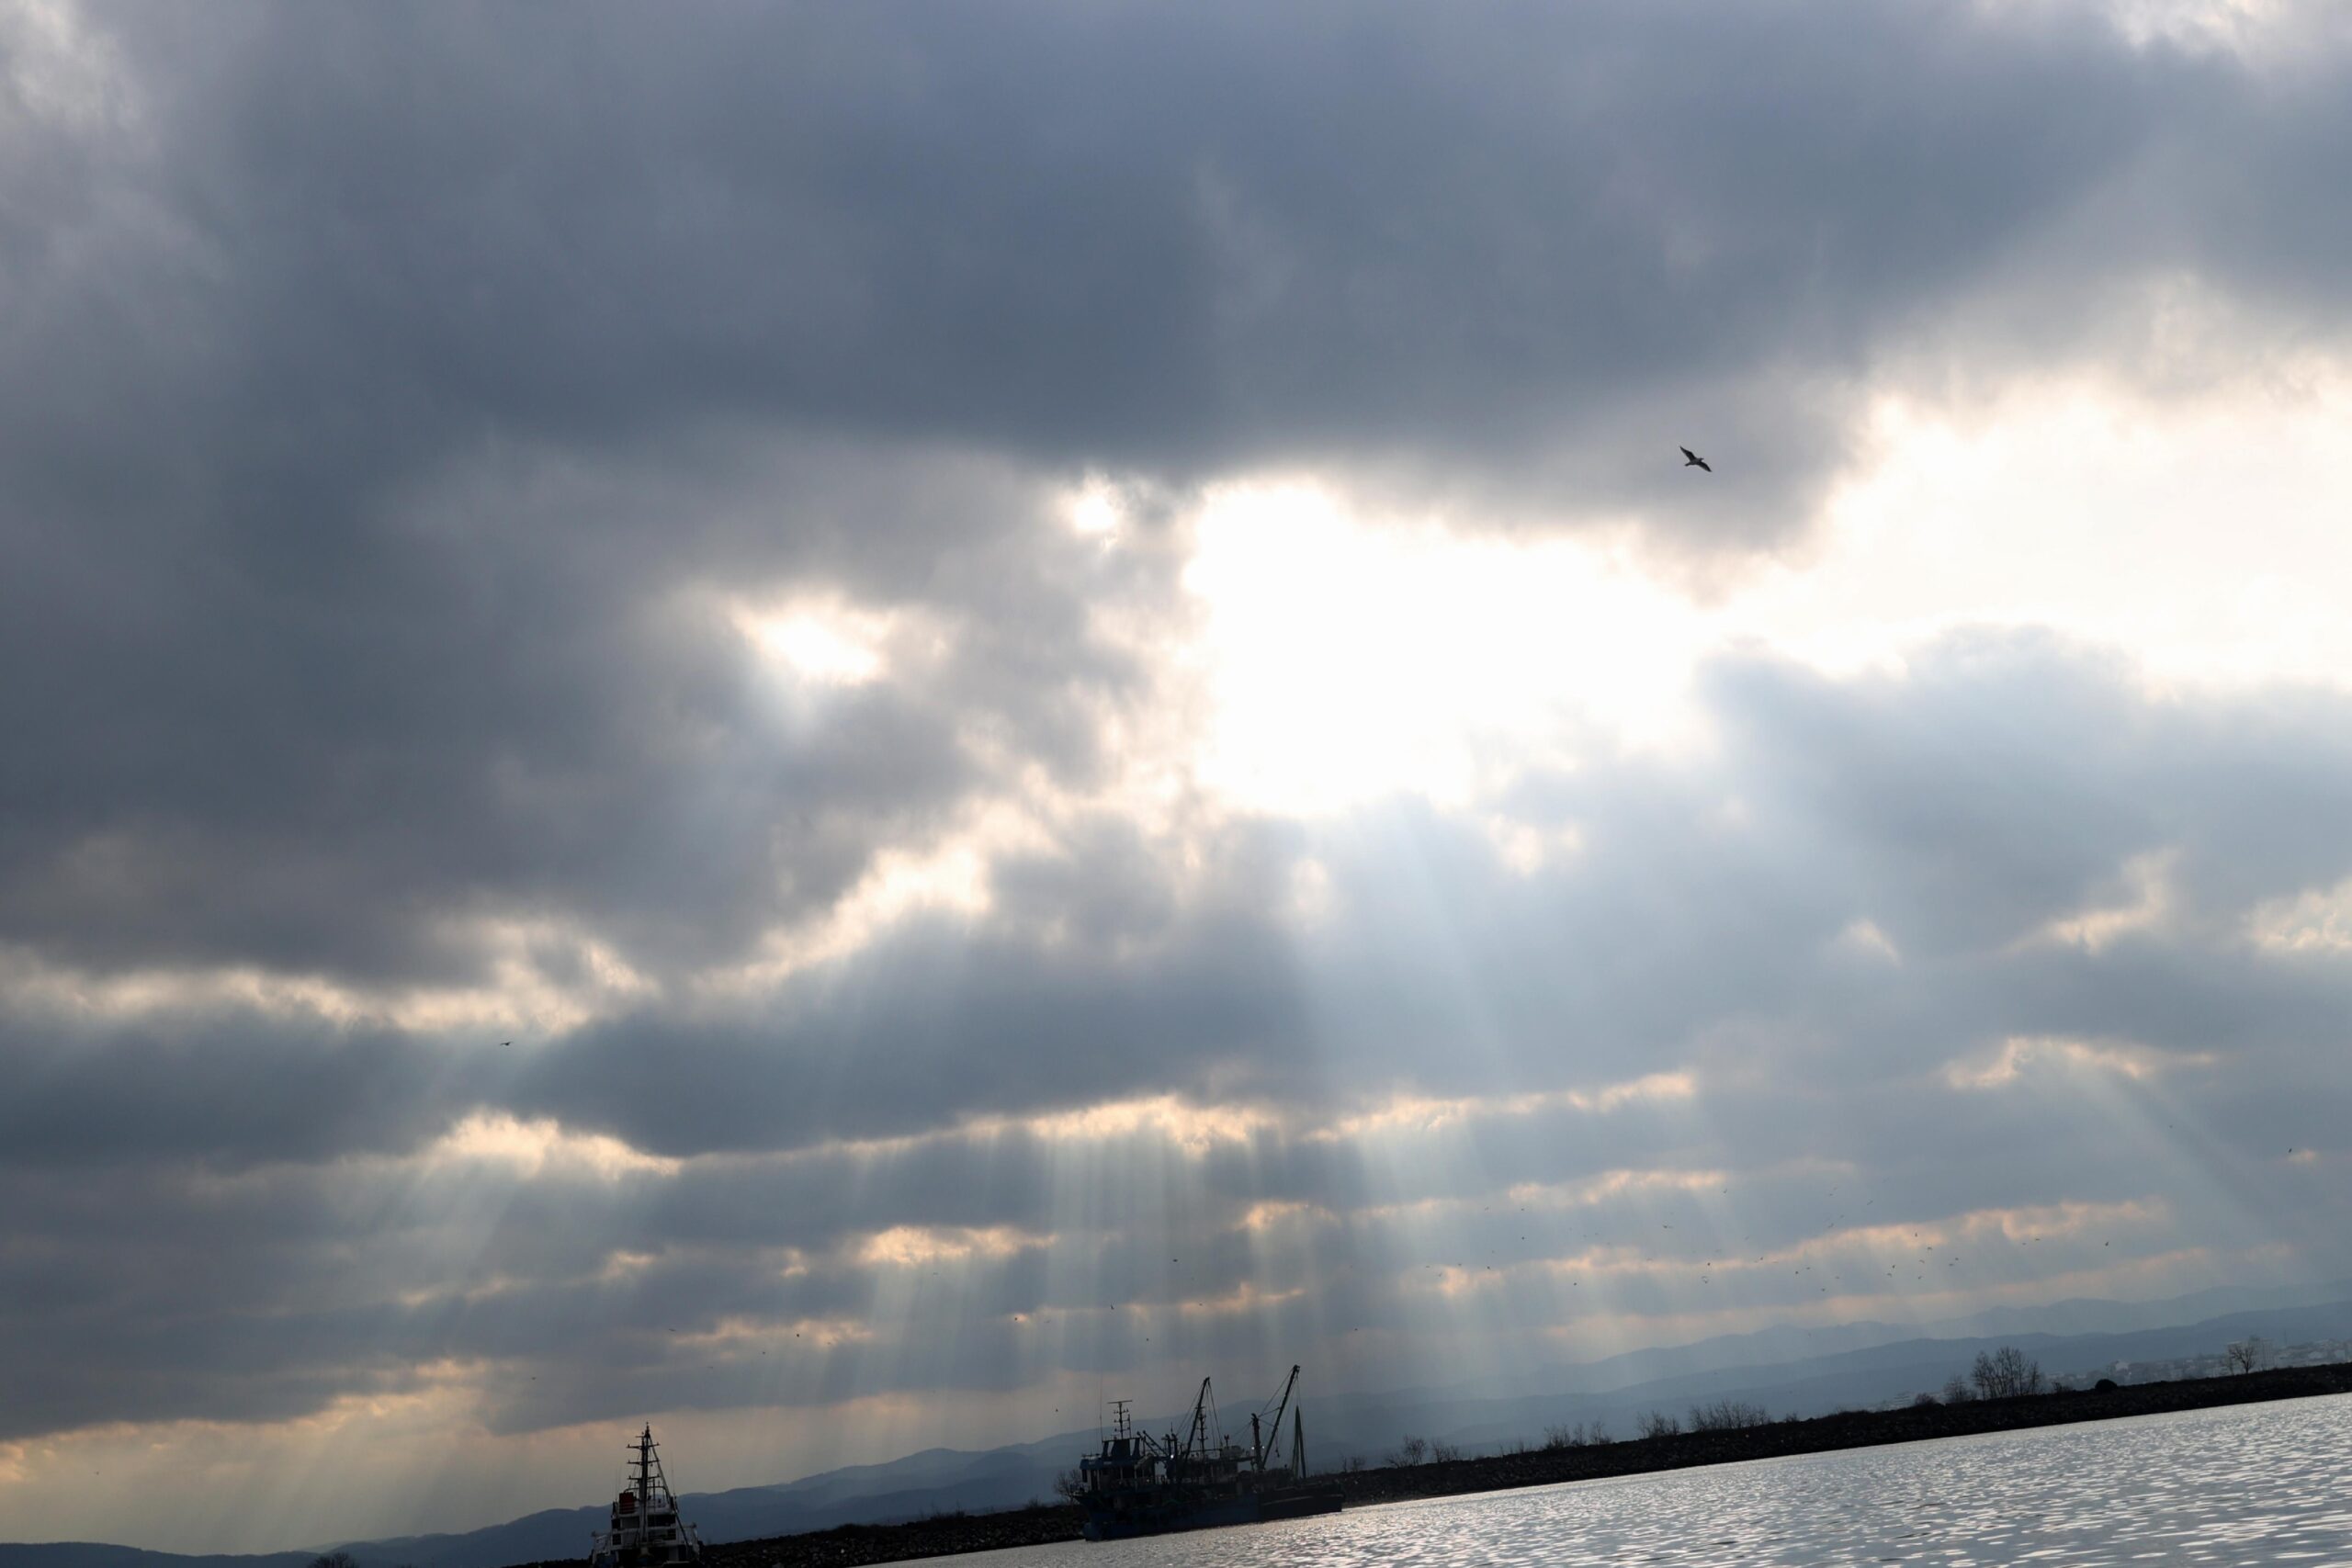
(1281, 1404)
(1197, 1437)
(645, 1475)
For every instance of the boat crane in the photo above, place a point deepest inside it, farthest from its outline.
(1268, 1452)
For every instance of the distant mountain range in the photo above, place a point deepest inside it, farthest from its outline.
(1788, 1370)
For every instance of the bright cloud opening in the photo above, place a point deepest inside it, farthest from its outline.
(823, 641)
(1346, 661)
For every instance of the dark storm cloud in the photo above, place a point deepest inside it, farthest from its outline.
(1156, 240)
(233, 1088)
(2003, 785)
(370, 383)
(523, 706)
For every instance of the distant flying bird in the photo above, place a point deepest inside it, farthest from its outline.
(1692, 460)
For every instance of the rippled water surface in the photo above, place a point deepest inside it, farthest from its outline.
(2255, 1483)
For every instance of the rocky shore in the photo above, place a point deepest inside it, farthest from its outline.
(953, 1534)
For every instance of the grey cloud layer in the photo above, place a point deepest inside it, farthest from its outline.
(522, 706)
(374, 384)
(2003, 787)
(387, 398)
(1140, 239)
(1664, 944)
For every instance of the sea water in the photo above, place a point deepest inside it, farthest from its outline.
(2249, 1483)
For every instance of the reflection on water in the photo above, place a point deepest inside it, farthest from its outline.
(2255, 1483)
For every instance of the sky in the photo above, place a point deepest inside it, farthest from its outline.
(848, 726)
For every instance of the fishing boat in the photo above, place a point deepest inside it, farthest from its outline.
(646, 1531)
(1142, 1485)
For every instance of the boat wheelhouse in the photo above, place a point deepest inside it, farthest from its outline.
(646, 1531)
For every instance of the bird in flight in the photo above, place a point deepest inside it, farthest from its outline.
(1692, 460)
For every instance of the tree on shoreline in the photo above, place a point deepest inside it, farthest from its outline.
(1727, 1416)
(2006, 1373)
(1580, 1436)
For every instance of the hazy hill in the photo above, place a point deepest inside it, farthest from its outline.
(1816, 1385)
(94, 1555)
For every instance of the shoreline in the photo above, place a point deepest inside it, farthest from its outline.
(953, 1535)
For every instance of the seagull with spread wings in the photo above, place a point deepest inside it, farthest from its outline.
(1692, 460)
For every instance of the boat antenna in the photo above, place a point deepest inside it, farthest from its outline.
(645, 1472)
(1197, 1437)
